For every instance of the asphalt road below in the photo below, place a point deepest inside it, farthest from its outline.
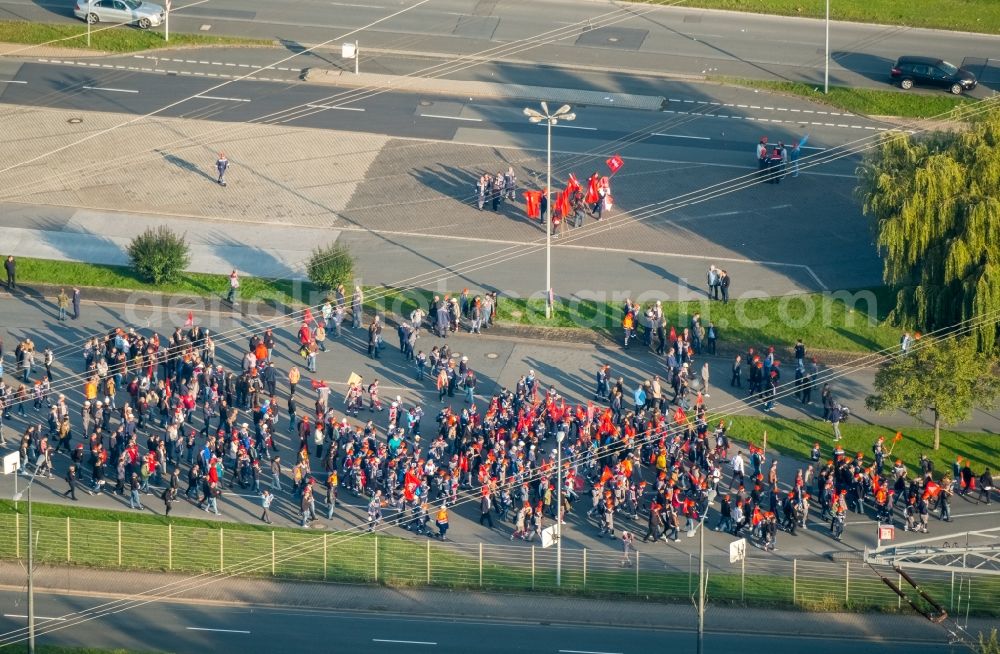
(697, 122)
(621, 37)
(256, 629)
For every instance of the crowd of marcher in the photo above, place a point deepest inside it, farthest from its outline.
(167, 415)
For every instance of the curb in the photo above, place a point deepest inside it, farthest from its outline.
(337, 77)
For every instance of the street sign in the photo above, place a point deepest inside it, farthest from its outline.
(737, 550)
(348, 50)
(11, 463)
(549, 536)
(886, 532)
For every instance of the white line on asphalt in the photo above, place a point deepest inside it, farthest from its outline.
(589, 129)
(214, 97)
(682, 136)
(37, 617)
(583, 651)
(327, 106)
(348, 4)
(471, 120)
(102, 88)
(968, 515)
(12, 81)
(811, 147)
(225, 631)
(404, 642)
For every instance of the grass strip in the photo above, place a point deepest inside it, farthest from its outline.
(796, 437)
(123, 38)
(966, 15)
(849, 321)
(863, 101)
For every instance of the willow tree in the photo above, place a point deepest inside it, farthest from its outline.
(935, 200)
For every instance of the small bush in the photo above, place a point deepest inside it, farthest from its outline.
(331, 265)
(159, 255)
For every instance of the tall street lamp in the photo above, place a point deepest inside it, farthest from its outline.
(560, 435)
(31, 567)
(826, 67)
(563, 113)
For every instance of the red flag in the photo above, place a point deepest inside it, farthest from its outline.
(533, 203)
(615, 163)
(572, 184)
(563, 204)
(593, 195)
(190, 319)
(308, 317)
(606, 475)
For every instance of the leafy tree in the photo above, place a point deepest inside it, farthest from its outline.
(159, 255)
(330, 265)
(988, 644)
(936, 205)
(948, 377)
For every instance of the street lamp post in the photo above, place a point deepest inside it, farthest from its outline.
(563, 113)
(560, 435)
(31, 568)
(826, 66)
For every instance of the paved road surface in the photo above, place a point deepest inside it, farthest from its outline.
(254, 629)
(622, 37)
(497, 361)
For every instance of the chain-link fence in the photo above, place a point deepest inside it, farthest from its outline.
(288, 553)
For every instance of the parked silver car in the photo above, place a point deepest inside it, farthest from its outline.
(136, 12)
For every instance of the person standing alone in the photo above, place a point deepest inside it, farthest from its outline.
(221, 165)
(234, 284)
(11, 267)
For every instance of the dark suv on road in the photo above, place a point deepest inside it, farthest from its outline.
(928, 71)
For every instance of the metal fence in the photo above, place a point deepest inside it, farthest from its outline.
(294, 554)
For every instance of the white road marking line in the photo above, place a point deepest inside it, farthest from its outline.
(348, 4)
(102, 88)
(327, 106)
(403, 642)
(12, 81)
(682, 136)
(589, 129)
(224, 631)
(214, 97)
(37, 617)
(583, 651)
(471, 120)
(811, 147)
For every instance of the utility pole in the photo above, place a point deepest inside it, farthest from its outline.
(701, 588)
(826, 67)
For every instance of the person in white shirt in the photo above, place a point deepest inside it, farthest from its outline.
(739, 469)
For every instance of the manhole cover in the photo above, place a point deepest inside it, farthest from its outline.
(492, 355)
(425, 103)
(74, 121)
(613, 39)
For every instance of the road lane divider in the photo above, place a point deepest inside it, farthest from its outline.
(109, 89)
(682, 136)
(215, 97)
(471, 120)
(334, 106)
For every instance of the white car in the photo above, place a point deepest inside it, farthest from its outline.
(133, 12)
